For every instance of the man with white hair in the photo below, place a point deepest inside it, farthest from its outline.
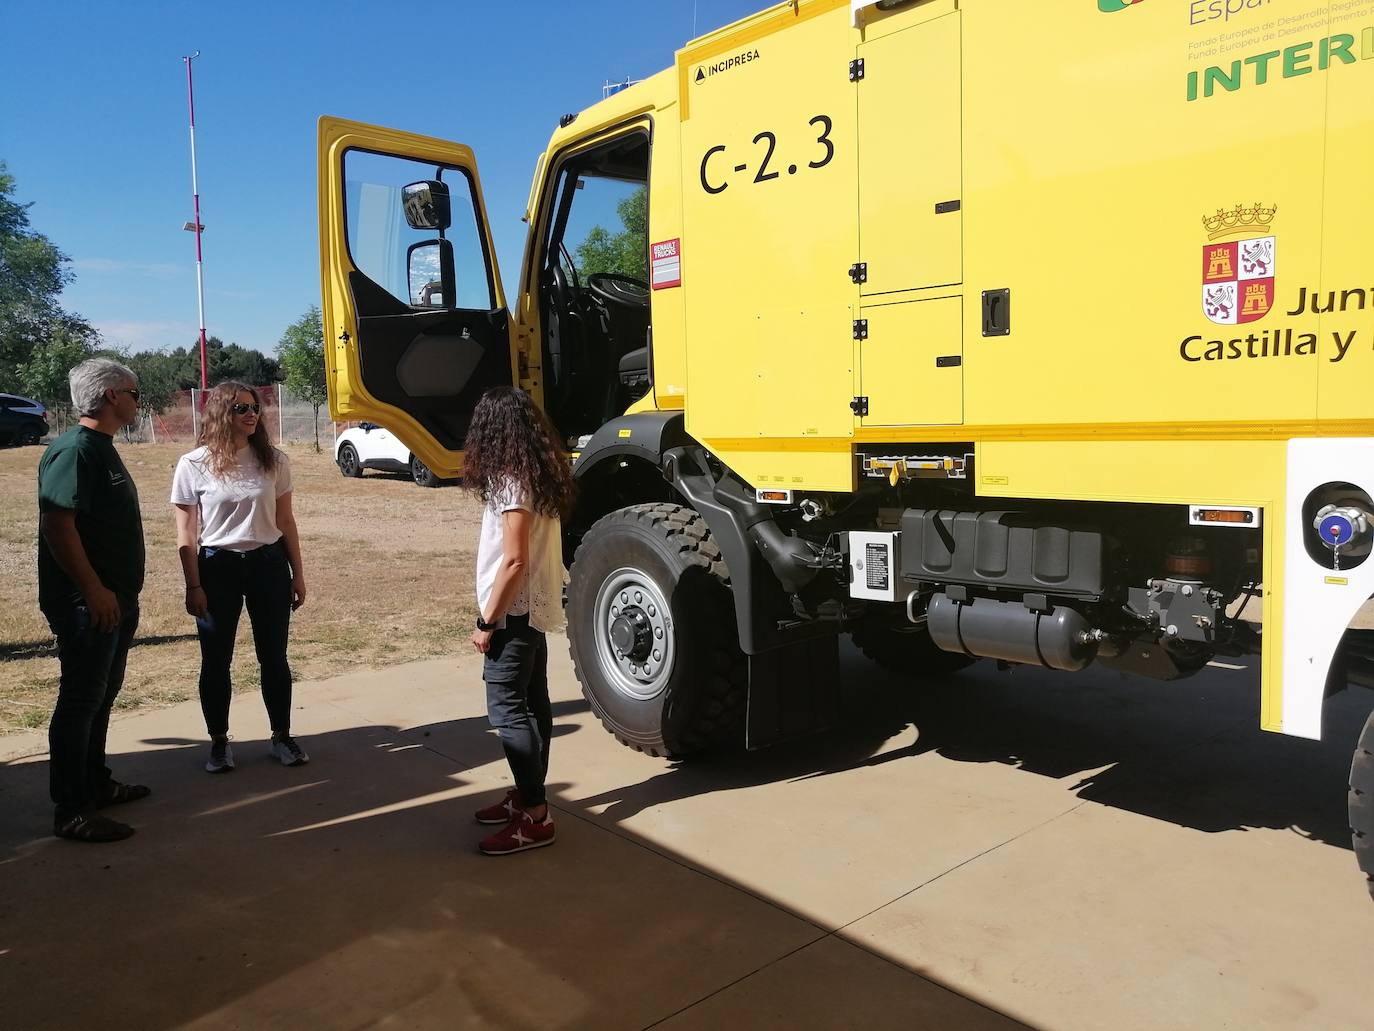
(90, 573)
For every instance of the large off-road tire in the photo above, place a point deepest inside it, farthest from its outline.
(349, 465)
(651, 628)
(909, 652)
(1362, 802)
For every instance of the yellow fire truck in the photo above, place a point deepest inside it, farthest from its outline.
(1033, 332)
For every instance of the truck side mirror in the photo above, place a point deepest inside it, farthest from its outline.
(427, 205)
(430, 274)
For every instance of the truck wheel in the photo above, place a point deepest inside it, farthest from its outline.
(348, 461)
(652, 632)
(909, 652)
(1362, 801)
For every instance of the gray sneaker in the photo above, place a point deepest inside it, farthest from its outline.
(221, 757)
(287, 752)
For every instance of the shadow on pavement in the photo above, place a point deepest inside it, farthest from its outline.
(349, 893)
(9, 651)
(1189, 752)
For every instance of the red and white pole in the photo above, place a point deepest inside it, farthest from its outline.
(195, 193)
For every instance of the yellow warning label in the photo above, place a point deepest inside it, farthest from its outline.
(1338, 581)
(624, 434)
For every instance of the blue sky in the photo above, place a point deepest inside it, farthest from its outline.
(93, 125)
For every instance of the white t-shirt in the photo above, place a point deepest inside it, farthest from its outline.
(238, 512)
(541, 591)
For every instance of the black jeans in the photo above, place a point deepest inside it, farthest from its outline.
(516, 672)
(262, 579)
(92, 675)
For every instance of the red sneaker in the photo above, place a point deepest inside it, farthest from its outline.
(522, 833)
(502, 812)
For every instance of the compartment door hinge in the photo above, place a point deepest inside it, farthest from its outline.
(859, 272)
(860, 329)
(859, 406)
(856, 69)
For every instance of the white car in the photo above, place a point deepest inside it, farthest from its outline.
(369, 446)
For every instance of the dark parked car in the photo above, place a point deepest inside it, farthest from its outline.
(22, 421)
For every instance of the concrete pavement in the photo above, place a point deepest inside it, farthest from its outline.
(996, 851)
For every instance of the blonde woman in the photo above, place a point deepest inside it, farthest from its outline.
(238, 544)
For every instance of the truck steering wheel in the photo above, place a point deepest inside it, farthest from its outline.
(614, 288)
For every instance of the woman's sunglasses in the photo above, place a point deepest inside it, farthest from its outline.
(243, 409)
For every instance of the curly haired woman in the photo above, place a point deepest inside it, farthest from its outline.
(515, 466)
(237, 539)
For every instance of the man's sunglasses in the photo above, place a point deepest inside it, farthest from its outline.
(243, 409)
(131, 392)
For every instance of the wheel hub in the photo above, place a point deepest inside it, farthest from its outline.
(634, 633)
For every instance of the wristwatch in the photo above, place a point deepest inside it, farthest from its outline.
(484, 626)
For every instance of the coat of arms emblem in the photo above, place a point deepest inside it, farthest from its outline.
(1238, 276)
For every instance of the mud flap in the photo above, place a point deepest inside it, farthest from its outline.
(793, 691)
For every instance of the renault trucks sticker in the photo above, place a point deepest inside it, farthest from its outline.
(666, 264)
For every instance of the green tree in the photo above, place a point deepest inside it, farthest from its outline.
(158, 380)
(247, 366)
(301, 355)
(32, 274)
(42, 373)
(624, 252)
(223, 361)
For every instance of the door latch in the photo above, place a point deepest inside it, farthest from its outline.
(996, 313)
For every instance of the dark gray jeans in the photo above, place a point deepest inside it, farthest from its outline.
(92, 674)
(516, 672)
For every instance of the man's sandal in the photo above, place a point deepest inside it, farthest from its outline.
(115, 793)
(92, 828)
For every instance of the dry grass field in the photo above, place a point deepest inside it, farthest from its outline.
(388, 566)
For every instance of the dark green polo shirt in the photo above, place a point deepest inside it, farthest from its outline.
(82, 471)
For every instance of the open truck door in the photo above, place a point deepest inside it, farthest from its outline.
(415, 321)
